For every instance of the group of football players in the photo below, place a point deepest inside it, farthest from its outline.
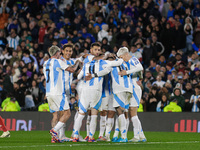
(106, 83)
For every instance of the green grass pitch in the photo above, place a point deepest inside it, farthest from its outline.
(40, 140)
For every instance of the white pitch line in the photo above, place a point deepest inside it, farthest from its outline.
(105, 144)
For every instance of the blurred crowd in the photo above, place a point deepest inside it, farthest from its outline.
(163, 34)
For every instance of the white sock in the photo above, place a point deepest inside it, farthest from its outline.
(93, 124)
(127, 124)
(88, 125)
(136, 126)
(58, 126)
(62, 132)
(116, 133)
(75, 116)
(122, 125)
(77, 125)
(142, 136)
(109, 126)
(102, 125)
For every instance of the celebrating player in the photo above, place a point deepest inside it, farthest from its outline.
(134, 69)
(53, 70)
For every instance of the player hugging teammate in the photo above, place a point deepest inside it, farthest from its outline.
(108, 84)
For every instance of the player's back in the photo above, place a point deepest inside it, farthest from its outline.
(121, 83)
(92, 68)
(132, 64)
(54, 74)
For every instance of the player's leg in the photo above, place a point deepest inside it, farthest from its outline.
(137, 127)
(6, 133)
(63, 107)
(120, 99)
(116, 133)
(127, 119)
(75, 116)
(93, 124)
(109, 124)
(83, 106)
(103, 115)
(88, 125)
(102, 123)
(96, 97)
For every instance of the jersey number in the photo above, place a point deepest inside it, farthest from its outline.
(48, 78)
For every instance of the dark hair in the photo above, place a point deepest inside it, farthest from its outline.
(95, 44)
(67, 45)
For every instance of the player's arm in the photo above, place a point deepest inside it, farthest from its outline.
(64, 66)
(104, 72)
(104, 56)
(115, 63)
(135, 67)
(80, 75)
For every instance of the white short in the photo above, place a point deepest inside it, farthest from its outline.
(90, 98)
(110, 103)
(58, 103)
(104, 104)
(122, 99)
(135, 99)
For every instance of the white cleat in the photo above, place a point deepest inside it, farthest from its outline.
(5, 134)
(64, 139)
(81, 139)
(134, 140)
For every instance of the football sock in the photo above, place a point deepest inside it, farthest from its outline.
(122, 125)
(102, 125)
(136, 126)
(77, 125)
(116, 127)
(58, 126)
(3, 125)
(127, 124)
(62, 132)
(75, 116)
(141, 131)
(93, 124)
(109, 126)
(88, 125)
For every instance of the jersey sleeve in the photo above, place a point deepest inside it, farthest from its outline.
(90, 57)
(135, 66)
(80, 75)
(115, 63)
(105, 71)
(62, 64)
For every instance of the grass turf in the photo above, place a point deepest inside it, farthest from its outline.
(40, 140)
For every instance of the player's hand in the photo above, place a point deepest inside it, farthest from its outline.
(70, 69)
(122, 73)
(88, 77)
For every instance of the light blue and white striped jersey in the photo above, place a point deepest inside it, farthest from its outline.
(135, 70)
(88, 59)
(13, 42)
(69, 75)
(121, 83)
(195, 98)
(54, 72)
(92, 67)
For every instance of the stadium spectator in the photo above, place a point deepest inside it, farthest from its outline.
(173, 107)
(11, 105)
(44, 107)
(195, 98)
(153, 99)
